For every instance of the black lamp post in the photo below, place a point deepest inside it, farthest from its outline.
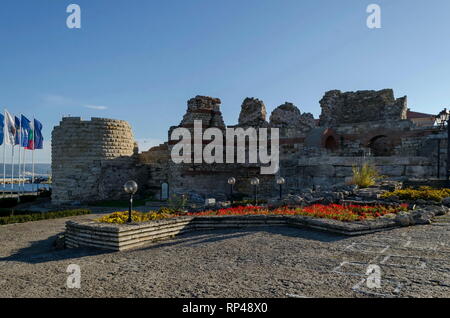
(442, 119)
(231, 182)
(280, 182)
(131, 188)
(255, 182)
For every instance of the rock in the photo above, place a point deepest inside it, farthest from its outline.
(441, 210)
(437, 210)
(337, 196)
(422, 216)
(404, 219)
(370, 193)
(293, 200)
(393, 198)
(391, 185)
(421, 202)
(446, 202)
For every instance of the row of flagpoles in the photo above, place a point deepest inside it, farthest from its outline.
(23, 133)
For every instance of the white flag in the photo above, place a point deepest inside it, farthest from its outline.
(10, 129)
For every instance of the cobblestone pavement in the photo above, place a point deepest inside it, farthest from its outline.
(261, 262)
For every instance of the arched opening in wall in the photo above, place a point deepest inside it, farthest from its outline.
(331, 143)
(381, 146)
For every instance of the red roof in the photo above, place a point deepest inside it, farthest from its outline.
(412, 115)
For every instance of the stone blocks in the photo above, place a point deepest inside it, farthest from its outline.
(127, 236)
(79, 152)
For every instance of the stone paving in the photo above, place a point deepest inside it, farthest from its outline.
(267, 262)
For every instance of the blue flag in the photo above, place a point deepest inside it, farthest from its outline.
(25, 130)
(38, 138)
(17, 135)
(2, 127)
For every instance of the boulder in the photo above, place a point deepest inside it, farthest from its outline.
(404, 219)
(422, 216)
(446, 202)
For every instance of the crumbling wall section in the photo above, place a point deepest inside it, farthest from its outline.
(361, 106)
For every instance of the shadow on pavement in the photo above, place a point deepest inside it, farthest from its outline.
(43, 251)
(211, 236)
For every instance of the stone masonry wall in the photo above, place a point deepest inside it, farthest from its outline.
(92, 159)
(361, 106)
(82, 151)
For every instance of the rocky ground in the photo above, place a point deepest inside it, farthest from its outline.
(270, 262)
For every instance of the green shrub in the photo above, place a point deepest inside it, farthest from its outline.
(423, 193)
(41, 216)
(365, 175)
(13, 211)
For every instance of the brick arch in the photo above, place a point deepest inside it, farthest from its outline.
(381, 146)
(330, 139)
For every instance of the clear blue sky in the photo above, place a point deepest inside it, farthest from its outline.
(141, 60)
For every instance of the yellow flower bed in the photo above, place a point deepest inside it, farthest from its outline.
(423, 193)
(122, 217)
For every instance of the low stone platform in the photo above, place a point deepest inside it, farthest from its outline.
(126, 236)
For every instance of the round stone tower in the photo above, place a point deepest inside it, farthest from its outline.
(81, 150)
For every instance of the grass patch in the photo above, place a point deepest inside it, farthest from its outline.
(41, 216)
(365, 175)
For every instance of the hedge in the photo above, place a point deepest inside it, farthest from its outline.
(42, 216)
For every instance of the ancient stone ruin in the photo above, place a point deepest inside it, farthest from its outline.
(92, 159)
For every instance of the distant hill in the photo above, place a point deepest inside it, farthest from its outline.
(40, 169)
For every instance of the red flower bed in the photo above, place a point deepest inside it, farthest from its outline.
(331, 211)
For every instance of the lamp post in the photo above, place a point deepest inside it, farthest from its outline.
(442, 119)
(255, 182)
(280, 182)
(231, 182)
(131, 188)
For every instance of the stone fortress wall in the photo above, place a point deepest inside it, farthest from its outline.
(88, 157)
(91, 159)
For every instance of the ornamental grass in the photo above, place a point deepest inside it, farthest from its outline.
(365, 175)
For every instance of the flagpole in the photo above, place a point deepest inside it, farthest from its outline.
(24, 165)
(4, 154)
(20, 146)
(32, 154)
(12, 169)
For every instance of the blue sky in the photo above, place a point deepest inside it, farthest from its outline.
(141, 60)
